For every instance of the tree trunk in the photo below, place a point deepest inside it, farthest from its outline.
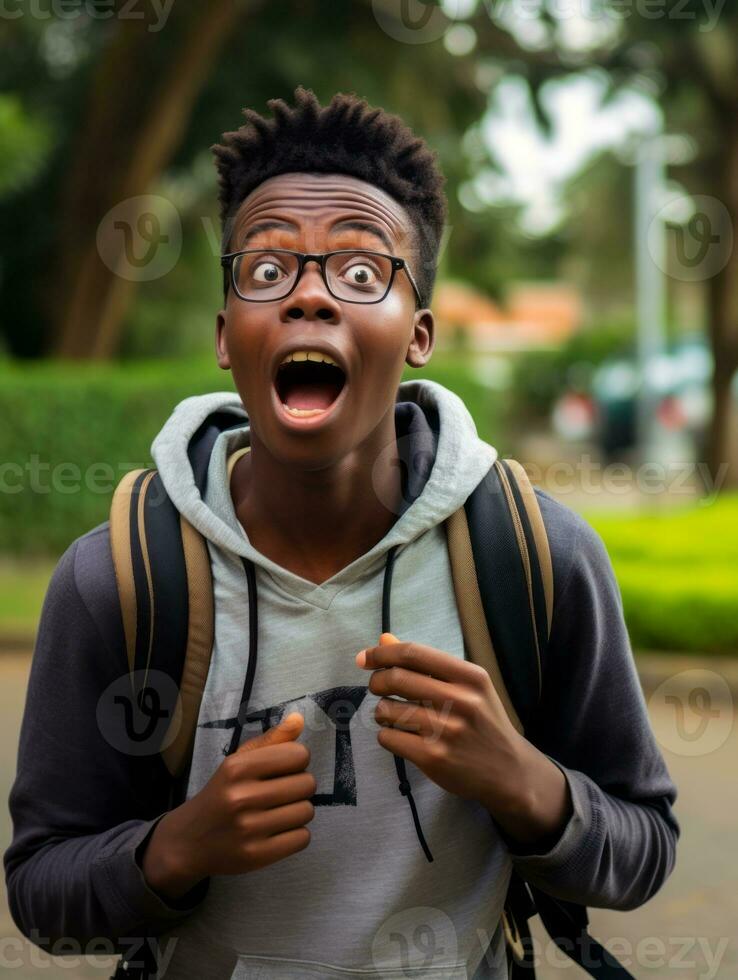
(129, 136)
(722, 444)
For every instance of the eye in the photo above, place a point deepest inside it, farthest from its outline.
(361, 273)
(267, 271)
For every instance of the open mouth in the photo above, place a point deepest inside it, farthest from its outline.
(308, 388)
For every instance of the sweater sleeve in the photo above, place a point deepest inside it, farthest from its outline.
(80, 817)
(618, 846)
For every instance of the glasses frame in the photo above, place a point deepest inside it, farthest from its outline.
(321, 258)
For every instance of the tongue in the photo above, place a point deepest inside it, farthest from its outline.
(314, 395)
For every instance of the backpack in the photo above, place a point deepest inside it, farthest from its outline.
(503, 583)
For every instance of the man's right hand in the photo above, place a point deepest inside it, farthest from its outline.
(251, 813)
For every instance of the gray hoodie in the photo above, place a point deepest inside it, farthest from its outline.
(363, 898)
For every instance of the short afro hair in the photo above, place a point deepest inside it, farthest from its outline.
(346, 136)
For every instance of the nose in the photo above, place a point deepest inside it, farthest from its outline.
(311, 298)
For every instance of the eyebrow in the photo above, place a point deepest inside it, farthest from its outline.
(356, 225)
(345, 224)
(260, 226)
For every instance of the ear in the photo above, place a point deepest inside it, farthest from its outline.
(221, 351)
(421, 344)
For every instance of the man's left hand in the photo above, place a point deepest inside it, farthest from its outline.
(453, 726)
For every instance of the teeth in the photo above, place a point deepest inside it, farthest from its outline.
(303, 411)
(308, 355)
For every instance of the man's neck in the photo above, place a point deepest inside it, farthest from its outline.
(315, 522)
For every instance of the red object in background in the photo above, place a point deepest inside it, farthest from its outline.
(574, 415)
(670, 413)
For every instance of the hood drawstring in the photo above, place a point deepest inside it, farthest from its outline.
(248, 565)
(399, 761)
(251, 668)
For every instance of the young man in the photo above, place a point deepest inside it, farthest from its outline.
(307, 494)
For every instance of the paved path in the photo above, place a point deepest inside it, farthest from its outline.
(688, 931)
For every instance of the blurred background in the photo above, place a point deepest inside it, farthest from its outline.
(586, 307)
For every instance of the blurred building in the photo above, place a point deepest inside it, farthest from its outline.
(534, 315)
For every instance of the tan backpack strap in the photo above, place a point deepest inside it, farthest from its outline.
(128, 523)
(477, 639)
(125, 507)
(200, 636)
(535, 519)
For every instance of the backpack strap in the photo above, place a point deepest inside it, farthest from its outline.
(162, 570)
(165, 587)
(498, 538)
(503, 580)
(477, 637)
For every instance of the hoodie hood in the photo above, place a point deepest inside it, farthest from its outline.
(444, 460)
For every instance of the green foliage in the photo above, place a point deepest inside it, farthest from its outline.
(677, 575)
(25, 142)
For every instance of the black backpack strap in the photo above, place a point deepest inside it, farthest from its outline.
(567, 925)
(511, 585)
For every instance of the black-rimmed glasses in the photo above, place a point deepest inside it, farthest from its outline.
(263, 275)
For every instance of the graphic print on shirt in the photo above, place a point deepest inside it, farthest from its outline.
(339, 705)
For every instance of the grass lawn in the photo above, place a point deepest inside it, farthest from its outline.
(678, 575)
(22, 588)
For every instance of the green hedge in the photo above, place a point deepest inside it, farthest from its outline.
(74, 431)
(71, 432)
(678, 575)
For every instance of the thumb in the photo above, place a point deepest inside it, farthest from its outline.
(287, 730)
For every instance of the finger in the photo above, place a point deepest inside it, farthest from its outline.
(268, 850)
(410, 717)
(274, 760)
(287, 730)
(412, 747)
(401, 683)
(268, 793)
(281, 818)
(424, 660)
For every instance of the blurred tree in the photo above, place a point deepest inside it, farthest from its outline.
(599, 252)
(141, 97)
(127, 104)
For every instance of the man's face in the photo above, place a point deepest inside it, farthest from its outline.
(311, 212)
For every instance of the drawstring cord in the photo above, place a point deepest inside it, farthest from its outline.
(399, 761)
(251, 668)
(248, 565)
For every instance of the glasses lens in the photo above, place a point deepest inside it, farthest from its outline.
(360, 277)
(264, 275)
